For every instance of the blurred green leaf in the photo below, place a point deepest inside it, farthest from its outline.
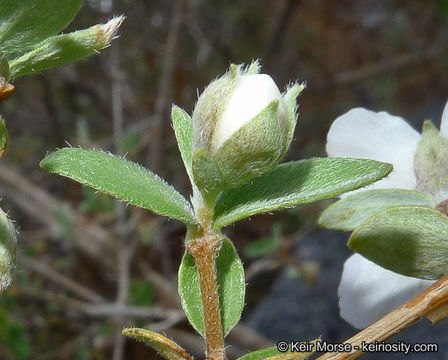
(165, 347)
(120, 178)
(295, 183)
(64, 49)
(350, 212)
(129, 143)
(24, 23)
(231, 287)
(8, 250)
(141, 293)
(410, 240)
(3, 137)
(183, 129)
(95, 201)
(13, 337)
(266, 246)
(4, 67)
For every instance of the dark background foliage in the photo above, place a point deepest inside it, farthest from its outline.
(81, 253)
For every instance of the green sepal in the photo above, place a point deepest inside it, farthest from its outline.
(409, 240)
(182, 125)
(206, 174)
(290, 99)
(231, 288)
(272, 353)
(8, 250)
(4, 67)
(64, 49)
(430, 162)
(251, 150)
(120, 178)
(350, 212)
(25, 23)
(296, 183)
(165, 347)
(3, 137)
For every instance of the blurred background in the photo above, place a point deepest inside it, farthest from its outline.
(89, 266)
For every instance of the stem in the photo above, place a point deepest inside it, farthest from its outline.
(431, 303)
(204, 251)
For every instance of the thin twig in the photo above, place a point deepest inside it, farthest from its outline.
(123, 249)
(164, 88)
(107, 310)
(431, 303)
(63, 281)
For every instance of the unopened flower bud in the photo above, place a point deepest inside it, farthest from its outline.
(242, 127)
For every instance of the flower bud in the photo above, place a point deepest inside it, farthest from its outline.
(242, 127)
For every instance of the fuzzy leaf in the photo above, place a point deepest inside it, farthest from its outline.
(350, 212)
(295, 183)
(8, 250)
(3, 137)
(24, 23)
(4, 67)
(183, 129)
(120, 178)
(231, 285)
(410, 240)
(165, 347)
(273, 353)
(64, 49)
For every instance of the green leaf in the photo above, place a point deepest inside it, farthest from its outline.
(231, 285)
(410, 240)
(350, 212)
(273, 353)
(8, 250)
(24, 23)
(182, 125)
(165, 347)
(3, 137)
(265, 246)
(4, 67)
(120, 178)
(295, 183)
(64, 49)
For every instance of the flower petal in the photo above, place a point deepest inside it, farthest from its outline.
(367, 291)
(361, 133)
(444, 122)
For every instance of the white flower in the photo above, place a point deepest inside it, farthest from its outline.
(367, 291)
(242, 127)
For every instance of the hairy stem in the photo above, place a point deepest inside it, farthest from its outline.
(431, 303)
(204, 251)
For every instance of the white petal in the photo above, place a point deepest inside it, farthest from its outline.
(361, 133)
(444, 122)
(251, 95)
(367, 291)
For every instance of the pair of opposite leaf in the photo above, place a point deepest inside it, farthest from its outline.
(232, 165)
